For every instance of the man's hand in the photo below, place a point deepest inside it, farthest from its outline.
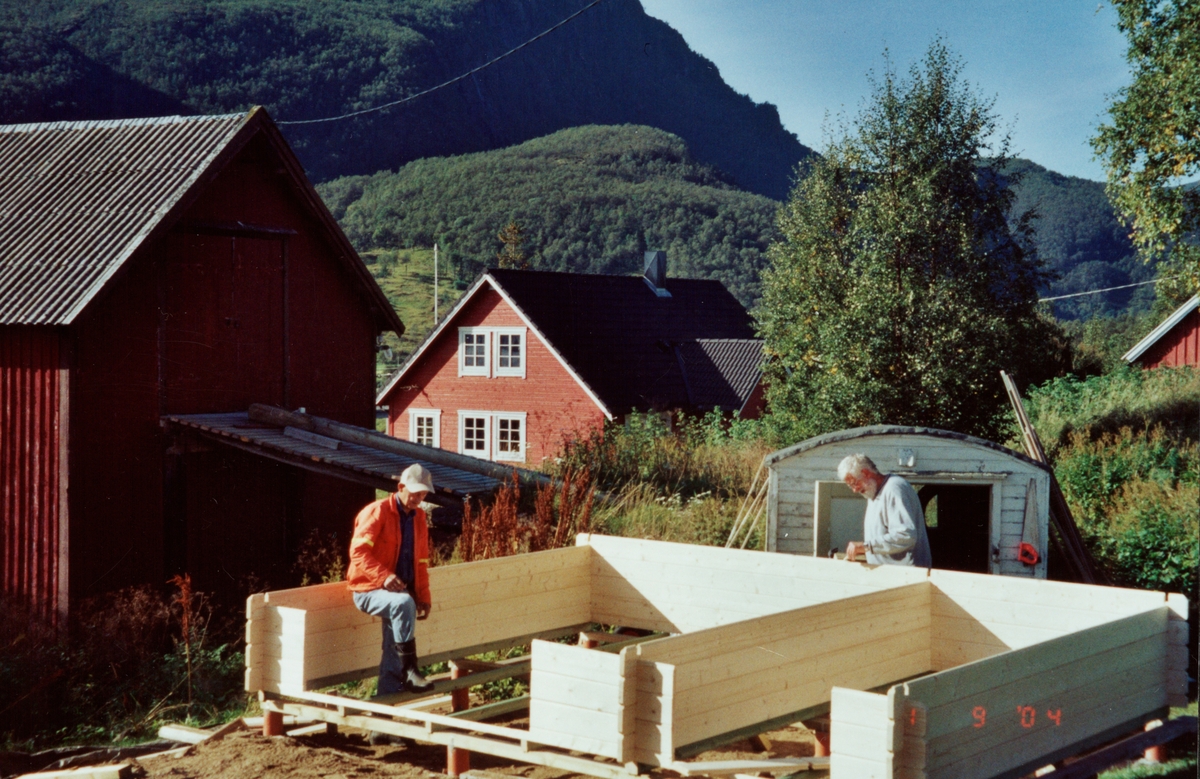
(393, 584)
(422, 610)
(854, 549)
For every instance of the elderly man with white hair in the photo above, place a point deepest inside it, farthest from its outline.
(894, 525)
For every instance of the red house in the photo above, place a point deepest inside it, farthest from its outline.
(1175, 342)
(149, 267)
(529, 358)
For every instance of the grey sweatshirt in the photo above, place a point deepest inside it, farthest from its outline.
(894, 526)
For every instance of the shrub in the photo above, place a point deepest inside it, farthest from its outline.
(682, 456)
(131, 660)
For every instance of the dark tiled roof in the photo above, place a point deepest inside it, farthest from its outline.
(721, 372)
(634, 348)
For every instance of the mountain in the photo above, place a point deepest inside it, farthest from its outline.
(96, 59)
(589, 199)
(1081, 239)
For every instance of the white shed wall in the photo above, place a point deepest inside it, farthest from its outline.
(793, 480)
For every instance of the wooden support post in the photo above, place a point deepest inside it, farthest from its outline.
(272, 723)
(820, 731)
(587, 641)
(458, 761)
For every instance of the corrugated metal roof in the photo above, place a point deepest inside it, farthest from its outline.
(78, 198)
(239, 429)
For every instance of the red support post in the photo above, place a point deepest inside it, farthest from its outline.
(458, 760)
(272, 723)
(1154, 754)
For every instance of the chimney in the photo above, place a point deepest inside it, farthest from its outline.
(656, 273)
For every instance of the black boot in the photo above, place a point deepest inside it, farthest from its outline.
(413, 681)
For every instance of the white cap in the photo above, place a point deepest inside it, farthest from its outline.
(416, 478)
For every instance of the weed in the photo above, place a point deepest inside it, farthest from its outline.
(320, 559)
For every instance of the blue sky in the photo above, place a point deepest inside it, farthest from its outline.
(1051, 65)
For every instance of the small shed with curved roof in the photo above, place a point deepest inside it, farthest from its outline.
(981, 500)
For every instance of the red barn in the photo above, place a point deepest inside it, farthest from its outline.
(1175, 342)
(529, 358)
(149, 267)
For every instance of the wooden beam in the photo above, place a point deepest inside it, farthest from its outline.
(494, 709)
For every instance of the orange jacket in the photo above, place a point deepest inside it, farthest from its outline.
(375, 549)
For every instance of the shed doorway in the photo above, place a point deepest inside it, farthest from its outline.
(957, 519)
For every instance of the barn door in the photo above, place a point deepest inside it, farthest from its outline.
(224, 329)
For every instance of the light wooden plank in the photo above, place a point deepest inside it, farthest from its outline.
(956, 584)
(778, 702)
(690, 647)
(859, 740)
(974, 679)
(990, 612)
(1072, 709)
(1011, 748)
(857, 768)
(569, 727)
(569, 660)
(596, 695)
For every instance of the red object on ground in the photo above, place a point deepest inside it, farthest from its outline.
(272, 723)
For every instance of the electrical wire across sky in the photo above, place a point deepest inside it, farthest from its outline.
(454, 80)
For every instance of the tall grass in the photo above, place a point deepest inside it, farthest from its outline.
(1126, 398)
(680, 479)
(131, 660)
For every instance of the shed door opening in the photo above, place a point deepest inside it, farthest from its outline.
(956, 518)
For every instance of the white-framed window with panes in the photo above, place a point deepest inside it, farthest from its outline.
(493, 435)
(425, 426)
(473, 351)
(492, 351)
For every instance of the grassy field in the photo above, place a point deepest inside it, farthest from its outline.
(406, 277)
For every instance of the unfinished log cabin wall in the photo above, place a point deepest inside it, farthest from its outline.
(803, 484)
(310, 637)
(929, 673)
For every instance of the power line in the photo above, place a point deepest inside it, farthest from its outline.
(1106, 289)
(454, 80)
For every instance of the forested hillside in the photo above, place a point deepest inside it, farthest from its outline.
(89, 59)
(589, 199)
(592, 199)
(1079, 237)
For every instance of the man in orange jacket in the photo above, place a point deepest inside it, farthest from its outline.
(389, 576)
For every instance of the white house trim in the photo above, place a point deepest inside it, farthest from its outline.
(1175, 318)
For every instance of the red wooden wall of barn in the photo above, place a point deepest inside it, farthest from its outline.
(205, 321)
(30, 418)
(556, 405)
(1180, 346)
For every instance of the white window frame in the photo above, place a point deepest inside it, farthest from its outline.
(486, 453)
(519, 455)
(520, 332)
(491, 450)
(474, 370)
(425, 413)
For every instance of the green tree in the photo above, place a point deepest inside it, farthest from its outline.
(512, 250)
(899, 289)
(1152, 142)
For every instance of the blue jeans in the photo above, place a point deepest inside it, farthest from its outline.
(399, 613)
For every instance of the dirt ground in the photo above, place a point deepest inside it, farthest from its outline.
(347, 755)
